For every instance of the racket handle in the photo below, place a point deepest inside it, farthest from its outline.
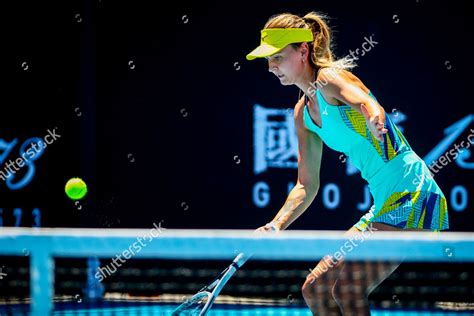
(241, 259)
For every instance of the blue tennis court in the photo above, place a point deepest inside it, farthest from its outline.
(241, 310)
(217, 310)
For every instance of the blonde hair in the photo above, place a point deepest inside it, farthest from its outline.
(321, 49)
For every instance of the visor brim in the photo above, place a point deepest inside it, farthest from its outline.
(263, 50)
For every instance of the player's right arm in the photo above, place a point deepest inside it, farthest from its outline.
(310, 149)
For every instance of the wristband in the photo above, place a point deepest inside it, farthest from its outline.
(272, 226)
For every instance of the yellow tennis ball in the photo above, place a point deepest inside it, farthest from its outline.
(76, 189)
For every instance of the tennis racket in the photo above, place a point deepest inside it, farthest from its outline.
(201, 302)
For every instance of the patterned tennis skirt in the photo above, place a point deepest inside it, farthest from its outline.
(406, 196)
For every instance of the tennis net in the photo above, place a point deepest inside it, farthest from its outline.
(143, 272)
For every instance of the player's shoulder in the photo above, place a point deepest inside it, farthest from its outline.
(332, 80)
(331, 76)
(334, 76)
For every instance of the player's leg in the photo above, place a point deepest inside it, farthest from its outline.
(317, 289)
(358, 279)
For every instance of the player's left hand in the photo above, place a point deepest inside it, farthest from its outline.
(375, 122)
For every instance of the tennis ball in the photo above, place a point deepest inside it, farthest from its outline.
(76, 189)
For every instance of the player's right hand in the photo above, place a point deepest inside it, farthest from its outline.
(267, 228)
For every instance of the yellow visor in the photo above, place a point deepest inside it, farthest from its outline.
(274, 40)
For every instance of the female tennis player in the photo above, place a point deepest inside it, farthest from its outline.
(339, 110)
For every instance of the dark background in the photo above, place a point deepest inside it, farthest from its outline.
(154, 106)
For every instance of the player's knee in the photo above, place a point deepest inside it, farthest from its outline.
(308, 290)
(311, 287)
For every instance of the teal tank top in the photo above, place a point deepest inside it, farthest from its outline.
(405, 194)
(344, 129)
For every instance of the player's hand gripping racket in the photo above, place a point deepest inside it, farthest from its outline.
(201, 302)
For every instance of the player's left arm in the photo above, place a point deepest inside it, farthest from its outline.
(334, 84)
